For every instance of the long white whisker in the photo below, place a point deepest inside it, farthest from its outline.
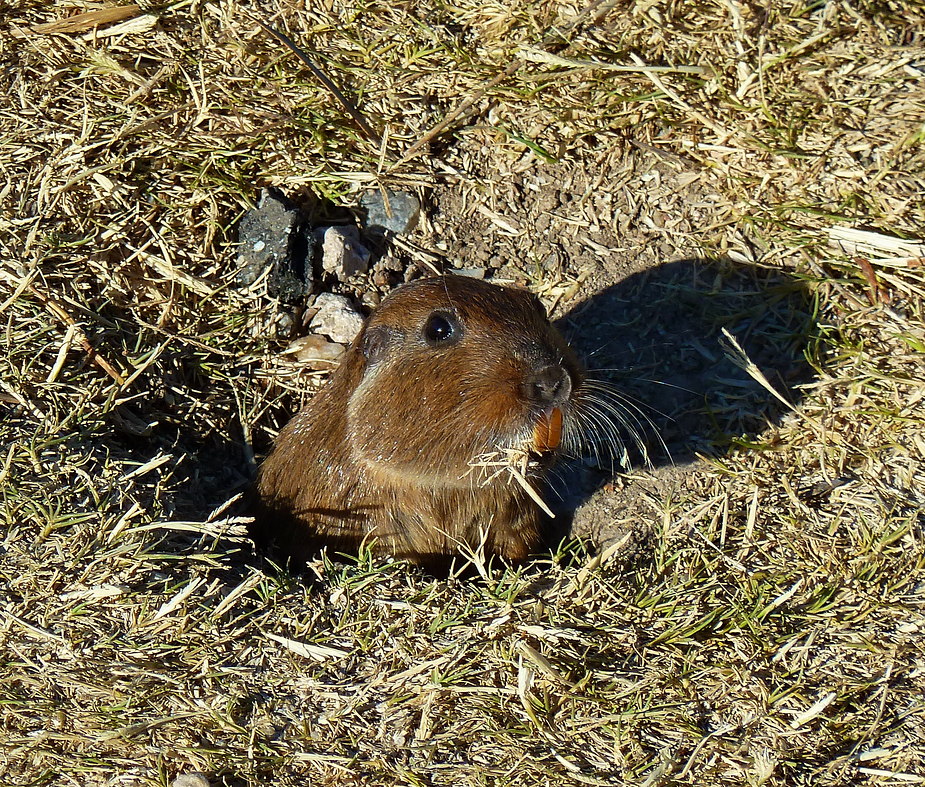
(602, 414)
(596, 424)
(604, 430)
(622, 415)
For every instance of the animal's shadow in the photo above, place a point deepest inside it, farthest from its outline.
(656, 340)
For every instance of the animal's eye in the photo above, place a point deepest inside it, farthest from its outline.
(442, 328)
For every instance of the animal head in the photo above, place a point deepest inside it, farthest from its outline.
(455, 368)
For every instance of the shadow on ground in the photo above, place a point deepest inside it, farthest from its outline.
(656, 339)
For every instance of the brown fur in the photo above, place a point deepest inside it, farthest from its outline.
(383, 452)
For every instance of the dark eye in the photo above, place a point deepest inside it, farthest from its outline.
(442, 328)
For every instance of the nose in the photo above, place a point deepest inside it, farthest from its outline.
(550, 385)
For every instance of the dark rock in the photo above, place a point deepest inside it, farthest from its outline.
(273, 243)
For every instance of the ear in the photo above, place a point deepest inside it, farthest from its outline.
(378, 341)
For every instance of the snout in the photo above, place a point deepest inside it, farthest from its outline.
(548, 390)
(547, 387)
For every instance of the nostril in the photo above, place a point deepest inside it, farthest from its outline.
(549, 385)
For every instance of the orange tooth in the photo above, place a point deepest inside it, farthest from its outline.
(548, 432)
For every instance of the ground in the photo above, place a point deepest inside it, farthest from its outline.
(745, 608)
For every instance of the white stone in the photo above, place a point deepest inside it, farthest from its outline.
(342, 253)
(190, 780)
(336, 318)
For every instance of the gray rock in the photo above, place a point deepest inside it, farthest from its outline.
(273, 243)
(472, 273)
(336, 318)
(401, 215)
(342, 253)
(284, 324)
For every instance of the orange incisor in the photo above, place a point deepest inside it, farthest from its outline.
(548, 432)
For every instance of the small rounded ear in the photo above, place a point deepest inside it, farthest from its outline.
(377, 342)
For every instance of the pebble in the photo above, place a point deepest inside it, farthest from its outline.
(190, 780)
(342, 253)
(336, 318)
(472, 273)
(404, 207)
(284, 324)
(315, 351)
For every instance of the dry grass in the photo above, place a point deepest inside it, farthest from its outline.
(773, 633)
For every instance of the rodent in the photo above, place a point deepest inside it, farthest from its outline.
(446, 370)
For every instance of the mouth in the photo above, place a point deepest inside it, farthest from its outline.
(547, 434)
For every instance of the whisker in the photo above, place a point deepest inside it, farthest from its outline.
(627, 400)
(602, 414)
(594, 423)
(555, 482)
(623, 415)
(601, 431)
(628, 414)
